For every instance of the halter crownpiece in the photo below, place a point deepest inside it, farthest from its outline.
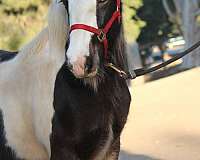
(101, 33)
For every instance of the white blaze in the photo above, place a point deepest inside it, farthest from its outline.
(80, 12)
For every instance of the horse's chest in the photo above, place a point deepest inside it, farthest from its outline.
(85, 119)
(83, 111)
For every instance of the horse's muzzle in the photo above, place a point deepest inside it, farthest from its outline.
(86, 67)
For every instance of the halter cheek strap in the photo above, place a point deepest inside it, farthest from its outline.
(101, 33)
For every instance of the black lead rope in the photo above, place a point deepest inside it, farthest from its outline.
(142, 71)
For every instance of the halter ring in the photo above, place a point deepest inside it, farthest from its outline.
(102, 36)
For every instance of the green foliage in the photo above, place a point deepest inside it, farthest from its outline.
(158, 28)
(132, 27)
(20, 21)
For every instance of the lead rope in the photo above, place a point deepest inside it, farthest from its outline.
(132, 74)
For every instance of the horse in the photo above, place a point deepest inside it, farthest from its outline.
(91, 99)
(26, 91)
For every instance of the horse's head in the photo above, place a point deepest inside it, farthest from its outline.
(95, 26)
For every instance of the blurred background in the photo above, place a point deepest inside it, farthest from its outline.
(164, 117)
(20, 21)
(160, 29)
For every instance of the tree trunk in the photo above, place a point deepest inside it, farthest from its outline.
(191, 32)
(186, 17)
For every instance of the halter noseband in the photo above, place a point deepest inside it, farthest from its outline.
(101, 33)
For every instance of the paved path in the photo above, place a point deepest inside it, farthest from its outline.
(164, 120)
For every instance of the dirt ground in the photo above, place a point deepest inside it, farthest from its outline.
(164, 120)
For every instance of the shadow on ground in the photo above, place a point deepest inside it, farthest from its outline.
(128, 156)
(181, 140)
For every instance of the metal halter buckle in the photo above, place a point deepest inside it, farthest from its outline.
(102, 36)
(122, 73)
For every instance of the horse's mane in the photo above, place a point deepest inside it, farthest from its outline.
(52, 38)
(119, 52)
(35, 46)
(57, 25)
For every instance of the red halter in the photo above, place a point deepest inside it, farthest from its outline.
(101, 33)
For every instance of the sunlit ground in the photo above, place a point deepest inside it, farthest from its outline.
(164, 120)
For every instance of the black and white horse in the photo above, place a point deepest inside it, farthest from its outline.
(91, 100)
(26, 91)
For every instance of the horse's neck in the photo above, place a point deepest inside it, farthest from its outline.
(119, 52)
(40, 60)
(45, 48)
(34, 48)
(58, 28)
(52, 40)
(57, 49)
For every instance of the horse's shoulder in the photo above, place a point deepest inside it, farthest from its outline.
(17, 130)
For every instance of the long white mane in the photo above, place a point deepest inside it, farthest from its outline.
(54, 34)
(26, 88)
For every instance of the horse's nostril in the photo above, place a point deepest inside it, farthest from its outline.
(89, 64)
